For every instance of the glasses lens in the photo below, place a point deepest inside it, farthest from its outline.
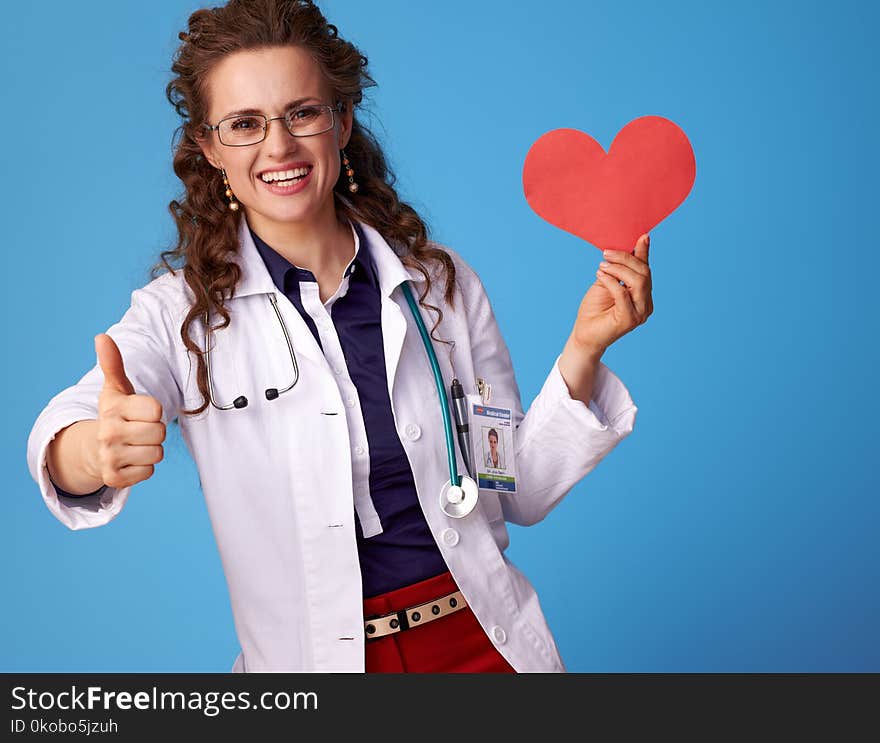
(241, 130)
(307, 120)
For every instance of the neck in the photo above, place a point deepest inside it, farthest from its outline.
(323, 245)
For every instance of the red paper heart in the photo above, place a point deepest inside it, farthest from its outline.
(612, 199)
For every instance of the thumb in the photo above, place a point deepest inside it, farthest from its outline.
(110, 361)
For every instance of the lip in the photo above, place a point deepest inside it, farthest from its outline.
(283, 166)
(274, 188)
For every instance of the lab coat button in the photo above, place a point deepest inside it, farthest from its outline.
(413, 432)
(499, 634)
(359, 450)
(450, 536)
(349, 402)
(337, 370)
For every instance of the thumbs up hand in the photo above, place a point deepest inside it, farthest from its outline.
(130, 430)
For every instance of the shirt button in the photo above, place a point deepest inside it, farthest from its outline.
(413, 432)
(359, 450)
(450, 537)
(499, 634)
(349, 402)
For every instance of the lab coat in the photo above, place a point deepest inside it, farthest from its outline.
(277, 474)
(490, 462)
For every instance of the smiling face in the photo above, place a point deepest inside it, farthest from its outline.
(270, 81)
(493, 443)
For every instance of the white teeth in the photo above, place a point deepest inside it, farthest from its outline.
(284, 175)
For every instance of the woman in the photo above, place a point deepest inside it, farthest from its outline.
(493, 458)
(314, 421)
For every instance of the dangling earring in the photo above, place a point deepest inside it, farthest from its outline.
(349, 171)
(233, 204)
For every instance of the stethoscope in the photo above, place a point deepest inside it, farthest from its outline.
(459, 494)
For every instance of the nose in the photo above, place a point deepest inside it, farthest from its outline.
(279, 140)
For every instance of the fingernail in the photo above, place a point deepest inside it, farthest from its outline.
(603, 264)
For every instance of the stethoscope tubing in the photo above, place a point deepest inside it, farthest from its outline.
(438, 379)
(272, 393)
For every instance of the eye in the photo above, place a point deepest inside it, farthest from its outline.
(244, 124)
(304, 113)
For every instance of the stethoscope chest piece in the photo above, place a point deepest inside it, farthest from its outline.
(458, 501)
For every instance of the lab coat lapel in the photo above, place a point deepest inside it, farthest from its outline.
(255, 279)
(392, 273)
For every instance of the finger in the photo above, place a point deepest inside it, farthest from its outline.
(638, 286)
(129, 476)
(630, 260)
(139, 456)
(631, 278)
(110, 361)
(141, 408)
(622, 297)
(641, 249)
(141, 433)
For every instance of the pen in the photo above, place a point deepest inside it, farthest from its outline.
(459, 409)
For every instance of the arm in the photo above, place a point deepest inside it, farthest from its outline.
(63, 437)
(561, 438)
(68, 454)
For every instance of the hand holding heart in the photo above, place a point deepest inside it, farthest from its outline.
(610, 199)
(609, 310)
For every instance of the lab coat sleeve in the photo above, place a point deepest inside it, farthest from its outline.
(560, 439)
(145, 339)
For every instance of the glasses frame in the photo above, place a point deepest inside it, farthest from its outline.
(339, 107)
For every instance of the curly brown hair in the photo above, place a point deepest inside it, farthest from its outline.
(207, 228)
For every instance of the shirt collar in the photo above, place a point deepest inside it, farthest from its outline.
(282, 270)
(255, 278)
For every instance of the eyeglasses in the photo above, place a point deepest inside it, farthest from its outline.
(301, 121)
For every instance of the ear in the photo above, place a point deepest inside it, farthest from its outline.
(209, 150)
(346, 119)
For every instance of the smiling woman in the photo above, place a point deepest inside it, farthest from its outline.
(294, 275)
(299, 156)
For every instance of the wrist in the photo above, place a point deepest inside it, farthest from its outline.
(584, 351)
(88, 441)
(578, 365)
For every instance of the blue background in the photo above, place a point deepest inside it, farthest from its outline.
(735, 530)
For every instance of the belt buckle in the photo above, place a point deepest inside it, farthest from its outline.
(398, 621)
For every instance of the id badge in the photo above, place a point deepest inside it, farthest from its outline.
(492, 433)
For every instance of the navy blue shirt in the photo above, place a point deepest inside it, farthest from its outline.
(405, 551)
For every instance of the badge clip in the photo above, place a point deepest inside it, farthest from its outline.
(485, 390)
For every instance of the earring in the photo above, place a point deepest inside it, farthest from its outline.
(349, 171)
(233, 204)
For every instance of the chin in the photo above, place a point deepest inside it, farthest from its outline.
(299, 213)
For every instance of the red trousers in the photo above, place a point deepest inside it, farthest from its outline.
(455, 643)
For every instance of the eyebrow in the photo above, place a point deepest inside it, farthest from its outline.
(252, 111)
